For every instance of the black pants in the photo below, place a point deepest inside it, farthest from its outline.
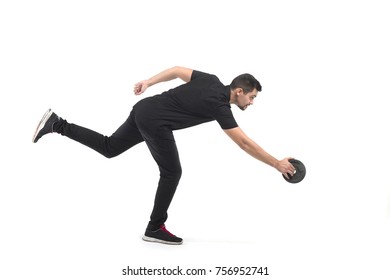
(133, 131)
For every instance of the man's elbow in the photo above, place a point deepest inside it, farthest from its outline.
(243, 144)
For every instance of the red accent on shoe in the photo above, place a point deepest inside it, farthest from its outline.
(163, 228)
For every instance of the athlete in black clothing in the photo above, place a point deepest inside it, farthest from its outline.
(202, 98)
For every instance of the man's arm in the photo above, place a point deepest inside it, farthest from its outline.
(249, 146)
(164, 76)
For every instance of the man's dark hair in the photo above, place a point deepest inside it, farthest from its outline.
(247, 82)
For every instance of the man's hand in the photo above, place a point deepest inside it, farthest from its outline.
(285, 167)
(140, 87)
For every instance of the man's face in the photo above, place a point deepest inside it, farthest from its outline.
(244, 100)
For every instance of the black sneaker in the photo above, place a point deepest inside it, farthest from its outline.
(46, 124)
(162, 235)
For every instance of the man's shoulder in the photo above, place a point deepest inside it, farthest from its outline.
(196, 74)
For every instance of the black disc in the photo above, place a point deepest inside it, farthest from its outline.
(300, 172)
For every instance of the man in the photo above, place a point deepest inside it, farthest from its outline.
(202, 98)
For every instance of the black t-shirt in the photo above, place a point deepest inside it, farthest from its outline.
(201, 100)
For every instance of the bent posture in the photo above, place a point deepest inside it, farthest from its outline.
(202, 98)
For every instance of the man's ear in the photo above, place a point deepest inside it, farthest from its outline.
(239, 91)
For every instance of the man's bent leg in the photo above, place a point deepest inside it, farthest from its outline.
(125, 137)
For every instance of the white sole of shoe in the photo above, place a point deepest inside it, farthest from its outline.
(42, 123)
(151, 239)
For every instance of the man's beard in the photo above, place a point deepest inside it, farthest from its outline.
(243, 108)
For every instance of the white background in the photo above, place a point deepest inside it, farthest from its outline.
(68, 213)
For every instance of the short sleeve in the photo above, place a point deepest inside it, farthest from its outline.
(224, 116)
(198, 75)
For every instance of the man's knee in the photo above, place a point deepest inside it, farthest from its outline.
(173, 174)
(109, 149)
(108, 155)
(178, 174)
